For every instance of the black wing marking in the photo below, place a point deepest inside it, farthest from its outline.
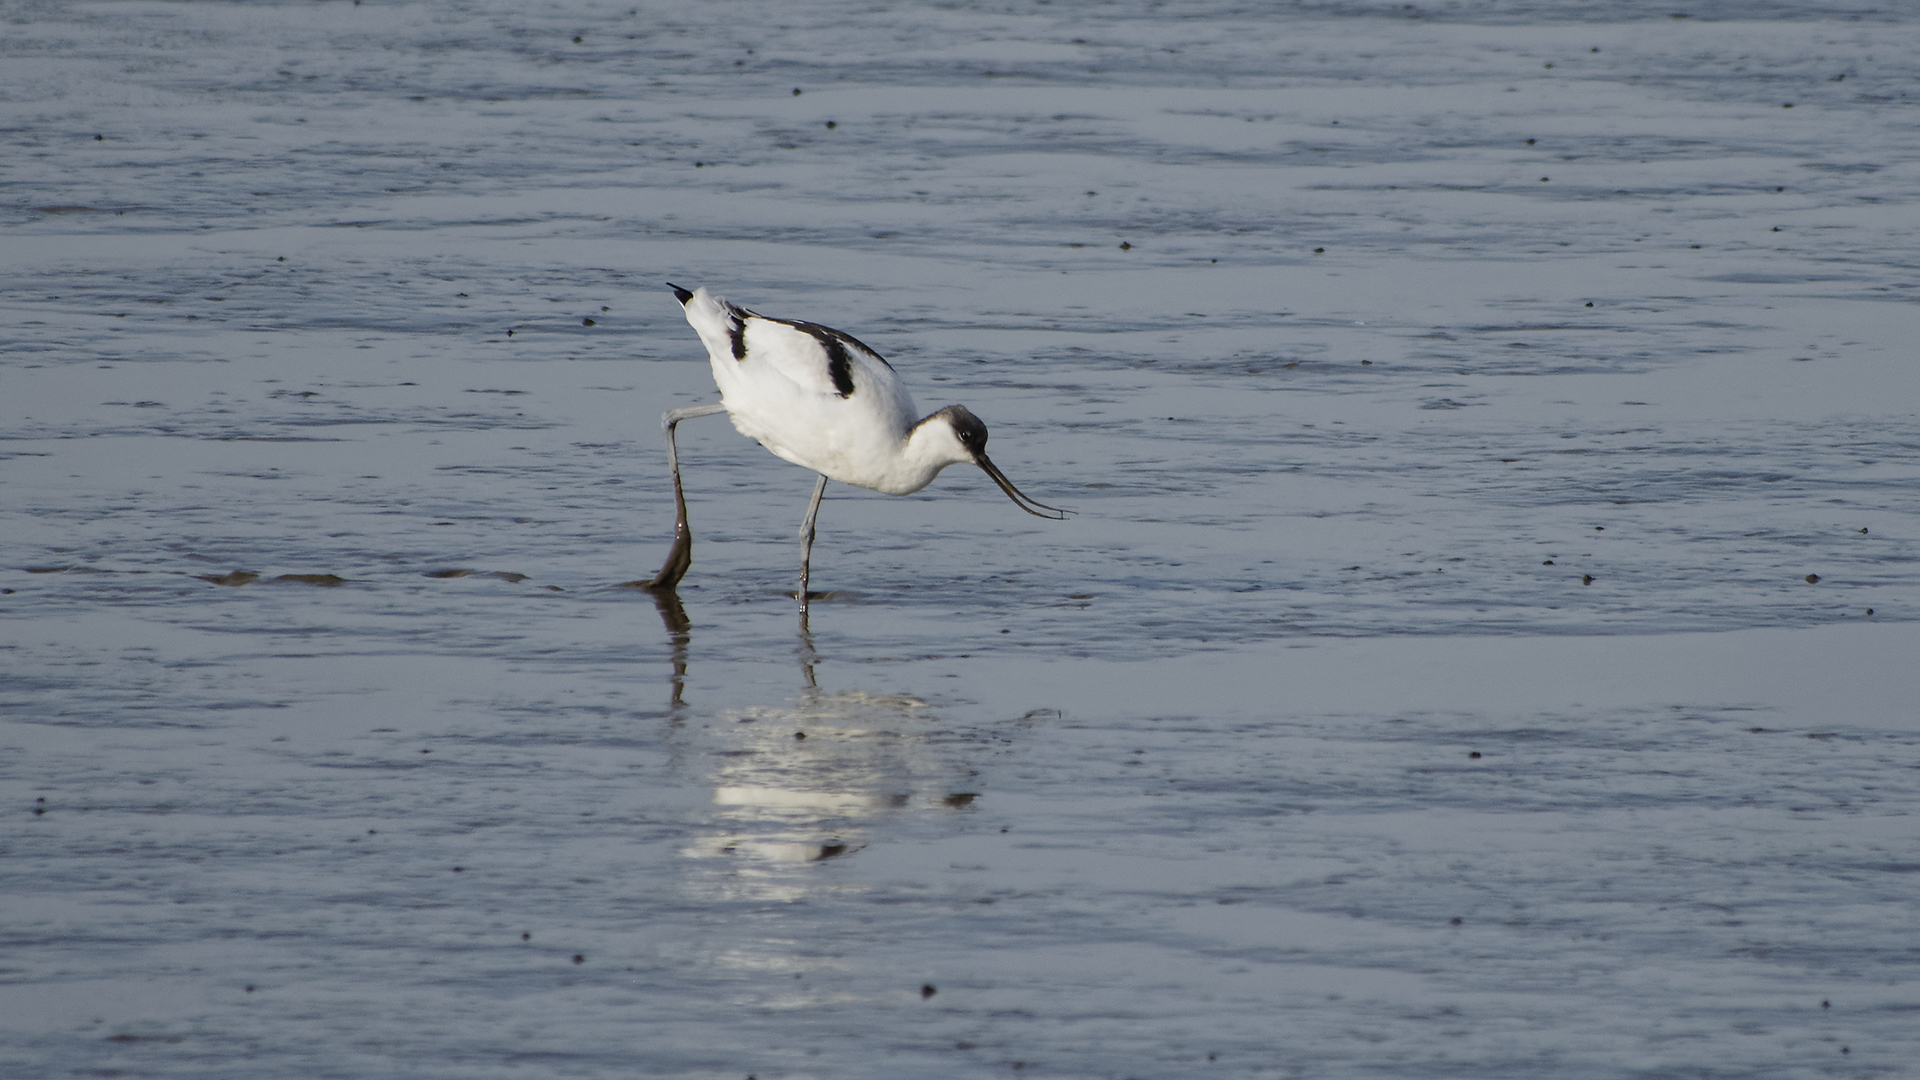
(737, 329)
(839, 364)
(833, 342)
(822, 333)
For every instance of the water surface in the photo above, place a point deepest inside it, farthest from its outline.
(1428, 381)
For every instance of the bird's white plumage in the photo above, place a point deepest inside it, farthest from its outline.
(821, 400)
(779, 382)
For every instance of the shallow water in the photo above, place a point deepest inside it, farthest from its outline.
(1459, 389)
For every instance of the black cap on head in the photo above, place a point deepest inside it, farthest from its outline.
(967, 428)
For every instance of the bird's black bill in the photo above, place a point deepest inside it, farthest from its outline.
(1020, 500)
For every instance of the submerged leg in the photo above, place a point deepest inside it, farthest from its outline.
(680, 556)
(808, 657)
(806, 538)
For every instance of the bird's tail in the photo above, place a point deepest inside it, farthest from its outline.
(719, 324)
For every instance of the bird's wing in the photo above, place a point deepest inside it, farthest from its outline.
(818, 358)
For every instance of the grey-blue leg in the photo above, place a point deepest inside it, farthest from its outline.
(806, 537)
(680, 556)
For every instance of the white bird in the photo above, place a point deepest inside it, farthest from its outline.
(819, 399)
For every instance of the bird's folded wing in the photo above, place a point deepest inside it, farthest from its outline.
(814, 357)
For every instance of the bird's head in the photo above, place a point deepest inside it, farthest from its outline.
(968, 437)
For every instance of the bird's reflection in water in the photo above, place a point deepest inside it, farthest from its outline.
(813, 778)
(679, 632)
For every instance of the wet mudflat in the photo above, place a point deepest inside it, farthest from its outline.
(1482, 647)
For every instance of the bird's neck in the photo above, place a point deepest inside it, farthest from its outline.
(930, 446)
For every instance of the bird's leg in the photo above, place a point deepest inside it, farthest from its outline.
(808, 657)
(806, 539)
(680, 556)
